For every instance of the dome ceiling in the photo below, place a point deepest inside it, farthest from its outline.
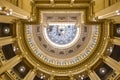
(62, 42)
(61, 34)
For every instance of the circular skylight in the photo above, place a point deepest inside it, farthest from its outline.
(61, 35)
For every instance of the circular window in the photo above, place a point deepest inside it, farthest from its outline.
(61, 35)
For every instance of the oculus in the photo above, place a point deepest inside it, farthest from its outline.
(61, 35)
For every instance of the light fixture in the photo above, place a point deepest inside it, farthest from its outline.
(110, 49)
(118, 12)
(9, 12)
(81, 77)
(118, 30)
(22, 69)
(1, 8)
(15, 48)
(6, 11)
(6, 30)
(42, 76)
(102, 70)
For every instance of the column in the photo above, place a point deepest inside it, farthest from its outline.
(31, 74)
(112, 63)
(10, 63)
(93, 75)
(6, 40)
(116, 41)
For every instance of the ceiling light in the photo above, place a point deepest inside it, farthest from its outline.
(118, 12)
(81, 77)
(102, 70)
(9, 12)
(15, 48)
(0, 8)
(118, 30)
(22, 69)
(6, 30)
(110, 49)
(41, 77)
